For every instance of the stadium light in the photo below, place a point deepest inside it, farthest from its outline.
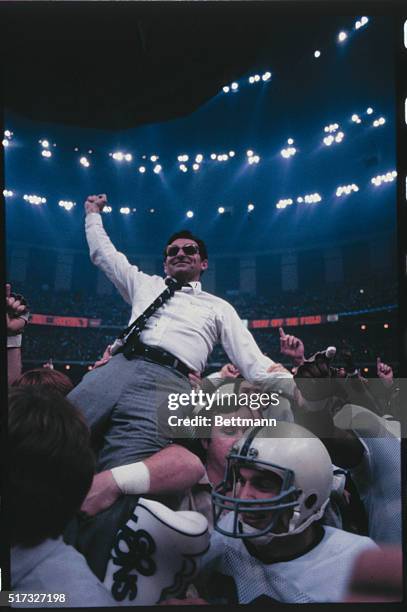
(5, 142)
(125, 210)
(342, 36)
(8, 134)
(266, 76)
(226, 89)
(199, 158)
(107, 209)
(251, 79)
(195, 166)
(231, 153)
(34, 199)
(46, 153)
(234, 86)
(284, 203)
(213, 155)
(221, 210)
(157, 169)
(8, 193)
(346, 190)
(256, 78)
(154, 158)
(66, 204)
(44, 144)
(250, 207)
(84, 162)
(384, 178)
(290, 141)
(317, 53)
(142, 169)
(190, 214)
(249, 153)
(369, 110)
(128, 157)
(183, 168)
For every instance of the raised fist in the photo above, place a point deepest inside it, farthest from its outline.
(95, 203)
(16, 308)
(316, 379)
(384, 372)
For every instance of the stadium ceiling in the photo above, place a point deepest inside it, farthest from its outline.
(117, 65)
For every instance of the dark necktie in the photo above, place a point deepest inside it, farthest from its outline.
(132, 333)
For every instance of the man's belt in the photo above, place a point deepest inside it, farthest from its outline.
(156, 355)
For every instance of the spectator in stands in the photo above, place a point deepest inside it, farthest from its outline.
(50, 471)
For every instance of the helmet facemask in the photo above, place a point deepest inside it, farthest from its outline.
(278, 505)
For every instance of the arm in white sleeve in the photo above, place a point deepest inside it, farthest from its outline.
(244, 353)
(114, 264)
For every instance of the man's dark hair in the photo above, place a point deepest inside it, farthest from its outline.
(51, 464)
(187, 234)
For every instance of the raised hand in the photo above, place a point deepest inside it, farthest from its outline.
(316, 379)
(15, 307)
(95, 203)
(384, 372)
(292, 347)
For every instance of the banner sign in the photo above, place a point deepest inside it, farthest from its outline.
(62, 321)
(291, 321)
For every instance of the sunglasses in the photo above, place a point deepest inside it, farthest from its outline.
(188, 249)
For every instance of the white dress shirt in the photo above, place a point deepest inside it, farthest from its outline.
(190, 323)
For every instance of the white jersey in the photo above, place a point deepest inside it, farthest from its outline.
(378, 481)
(320, 575)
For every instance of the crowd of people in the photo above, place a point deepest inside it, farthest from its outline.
(285, 488)
(335, 298)
(69, 345)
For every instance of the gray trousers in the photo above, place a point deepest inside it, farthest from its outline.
(125, 404)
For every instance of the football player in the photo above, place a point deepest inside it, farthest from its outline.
(271, 544)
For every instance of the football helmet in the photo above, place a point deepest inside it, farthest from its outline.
(304, 466)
